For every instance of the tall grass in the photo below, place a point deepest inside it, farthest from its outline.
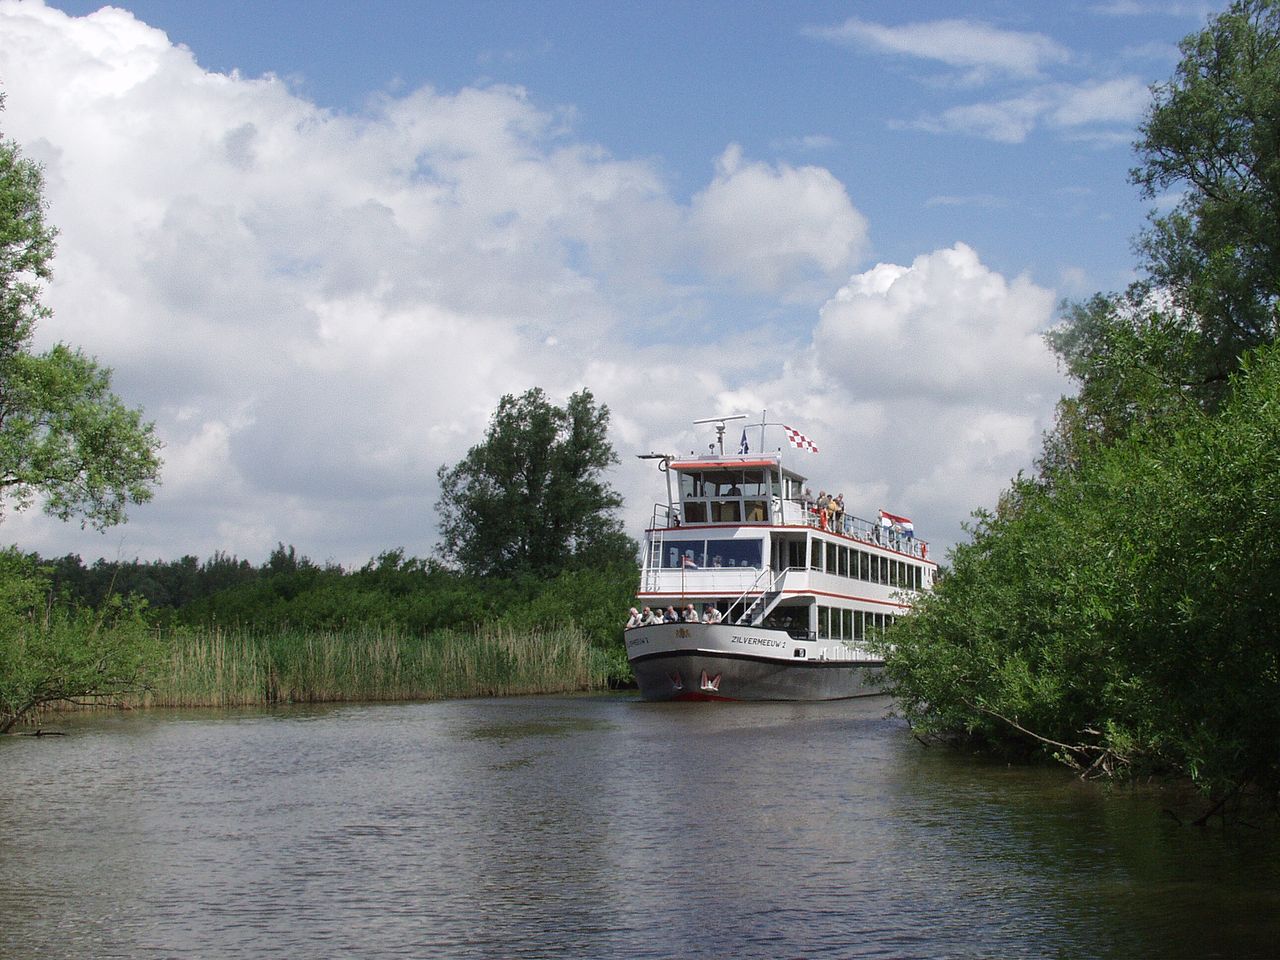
(221, 667)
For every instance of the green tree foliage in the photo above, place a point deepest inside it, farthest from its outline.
(51, 652)
(1128, 614)
(1118, 610)
(532, 498)
(63, 434)
(1213, 131)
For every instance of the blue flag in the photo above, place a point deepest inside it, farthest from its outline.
(742, 447)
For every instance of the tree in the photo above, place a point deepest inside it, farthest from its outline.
(52, 653)
(1211, 285)
(532, 498)
(1118, 610)
(64, 436)
(67, 439)
(1126, 616)
(1214, 131)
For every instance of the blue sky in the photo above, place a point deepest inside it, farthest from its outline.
(318, 241)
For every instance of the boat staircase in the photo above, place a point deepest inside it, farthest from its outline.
(764, 595)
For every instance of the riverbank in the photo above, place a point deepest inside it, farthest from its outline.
(218, 667)
(226, 667)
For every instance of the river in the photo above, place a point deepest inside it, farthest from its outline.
(593, 826)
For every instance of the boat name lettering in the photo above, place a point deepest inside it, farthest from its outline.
(757, 641)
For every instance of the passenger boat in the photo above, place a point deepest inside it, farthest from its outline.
(778, 596)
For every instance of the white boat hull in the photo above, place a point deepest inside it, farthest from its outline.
(679, 661)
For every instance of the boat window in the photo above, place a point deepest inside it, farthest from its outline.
(695, 511)
(690, 485)
(795, 553)
(753, 484)
(685, 553)
(722, 483)
(756, 511)
(844, 561)
(815, 555)
(838, 627)
(735, 553)
(726, 511)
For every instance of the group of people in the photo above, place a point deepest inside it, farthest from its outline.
(831, 510)
(688, 614)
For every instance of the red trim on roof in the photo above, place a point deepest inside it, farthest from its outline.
(720, 464)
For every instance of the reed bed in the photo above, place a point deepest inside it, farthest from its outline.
(222, 667)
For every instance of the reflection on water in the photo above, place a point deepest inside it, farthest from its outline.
(592, 827)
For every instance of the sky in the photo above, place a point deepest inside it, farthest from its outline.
(317, 243)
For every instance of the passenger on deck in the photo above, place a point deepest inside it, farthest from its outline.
(671, 616)
(824, 508)
(712, 615)
(635, 619)
(649, 617)
(837, 513)
(690, 614)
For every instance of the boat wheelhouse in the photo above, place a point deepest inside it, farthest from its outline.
(778, 592)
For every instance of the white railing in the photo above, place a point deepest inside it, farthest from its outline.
(868, 531)
(721, 581)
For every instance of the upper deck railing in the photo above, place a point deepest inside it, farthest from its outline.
(803, 512)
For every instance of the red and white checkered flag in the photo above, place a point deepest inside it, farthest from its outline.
(799, 440)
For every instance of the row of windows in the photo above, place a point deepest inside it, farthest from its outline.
(861, 565)
(837, 624)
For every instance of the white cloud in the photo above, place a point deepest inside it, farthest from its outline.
(981, 49)
(1121, 100)
(945, 362)
(1165, 8)
(1083, 110)
(946, 327)
(320, 308)
(772, 228)
(1091, 108)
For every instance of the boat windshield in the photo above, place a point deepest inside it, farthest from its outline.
(725, 495)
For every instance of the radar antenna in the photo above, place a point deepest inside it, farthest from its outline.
(720, 422)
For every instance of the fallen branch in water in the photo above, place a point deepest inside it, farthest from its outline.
(1074, 755)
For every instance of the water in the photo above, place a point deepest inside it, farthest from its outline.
(593, 827)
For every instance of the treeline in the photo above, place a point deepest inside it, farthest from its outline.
(1118, 610)
(392, 590)
(225, 632)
